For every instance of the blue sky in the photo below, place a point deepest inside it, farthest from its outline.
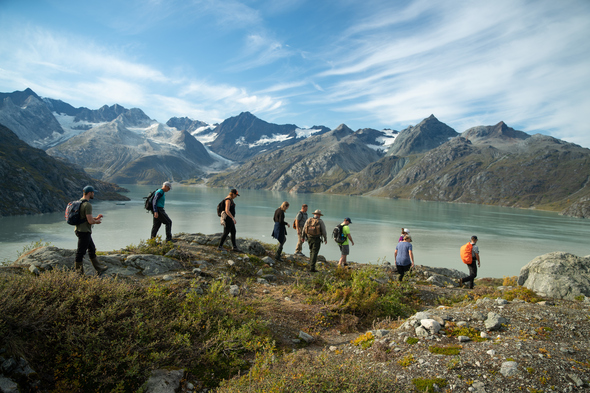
(363, 63)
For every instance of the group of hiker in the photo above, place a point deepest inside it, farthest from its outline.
(311, 230)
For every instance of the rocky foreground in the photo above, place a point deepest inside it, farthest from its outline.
(495, 338)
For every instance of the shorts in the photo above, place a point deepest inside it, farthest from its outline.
(344, 249)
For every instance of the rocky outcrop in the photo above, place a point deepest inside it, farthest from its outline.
(31, 182)
(580, 208)
(558, 275)
(50, 258)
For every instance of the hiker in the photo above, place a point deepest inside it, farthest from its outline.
(228, 220)
(84, 234)
(404, 257)
(298, 224)
(471, 265)
(314, 231)
(344, 247)
(160, 216)
(279, 231)
(405, 231)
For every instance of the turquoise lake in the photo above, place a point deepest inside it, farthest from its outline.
(508, 238)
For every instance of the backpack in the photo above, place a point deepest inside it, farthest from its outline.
(73, 212)
(313, 227)
(338, 234)
(465, 253)
(221, 207)
(149, 201)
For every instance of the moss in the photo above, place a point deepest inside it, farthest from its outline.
(427, 385)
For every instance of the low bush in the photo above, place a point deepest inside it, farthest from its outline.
(88, 334)
(305, 371)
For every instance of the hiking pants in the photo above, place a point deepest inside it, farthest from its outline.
(472, 274)
(402, 269)
(299, 246)
(85, 243)
(229, 228)
(315, 243)
(162, 219)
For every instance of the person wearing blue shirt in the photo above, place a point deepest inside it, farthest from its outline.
(404, 257)
(160, 216)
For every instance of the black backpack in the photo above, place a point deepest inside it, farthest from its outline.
(149, 201)
(73, 216)
(221, 207)
(338, 235)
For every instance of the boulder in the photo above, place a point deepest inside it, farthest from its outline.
(558, 275)
(495, 321)
(164, 381)
(249, 246)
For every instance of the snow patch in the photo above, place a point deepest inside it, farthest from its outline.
(265, 140)
(306, 132)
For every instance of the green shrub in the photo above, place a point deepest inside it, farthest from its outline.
(427, 385)
(153, 246)
(89, 334)
(365, 293)
(446, 350)
(310, 372)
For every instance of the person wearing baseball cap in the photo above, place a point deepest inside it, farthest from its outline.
(228, 220)
(160, 216)
(344, 247)
(84, 233)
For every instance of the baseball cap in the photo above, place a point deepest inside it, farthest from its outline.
(234, 191)
(167, 184)
(348, 219)
(88, 189)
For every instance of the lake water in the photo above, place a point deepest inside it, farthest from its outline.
(508, 238)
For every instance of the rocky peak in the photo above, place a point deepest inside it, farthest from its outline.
(499, 136)
(426, 135)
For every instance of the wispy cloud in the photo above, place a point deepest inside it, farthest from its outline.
(512, 61)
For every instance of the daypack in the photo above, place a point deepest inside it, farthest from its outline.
(73, 216)
(313, 227)
(338, 234)
(465, 253)
(149, 201)
(221, 207)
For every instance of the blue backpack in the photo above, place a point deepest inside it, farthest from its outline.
(73, 216)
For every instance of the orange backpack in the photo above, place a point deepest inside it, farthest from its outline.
(465, 253)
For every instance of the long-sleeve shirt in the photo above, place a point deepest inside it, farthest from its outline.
(323, 236)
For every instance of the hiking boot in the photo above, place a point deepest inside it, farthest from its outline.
(459, 282)
(236, 250)
(79, 267)
(97, 266)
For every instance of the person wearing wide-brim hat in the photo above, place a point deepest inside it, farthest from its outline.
(314, 231)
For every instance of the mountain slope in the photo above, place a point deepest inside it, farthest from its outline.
(114, 153)
(33, 182)
(311, 165)
(244, 136)
(27, 115)
(538, 171)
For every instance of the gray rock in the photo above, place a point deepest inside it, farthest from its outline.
(421, 315)
(164, 381)
(261, 281)
(422, 332)
(234, 290)
(463, 339)
(268, 260)
(577, 380)
(306, 337)
(380, 333)
(501, 301)
(441, 281)
(509, 369)
(558, 275)
(494, 321)
(431, 325)
(33, 269)
(8, 385)
(478, 316)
